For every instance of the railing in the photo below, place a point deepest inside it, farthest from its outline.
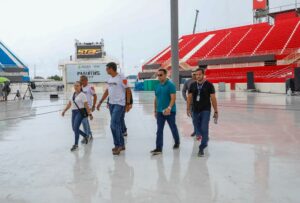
(242, 65)
(276, 52)
(7, 74)
(284, 8)
(292, 58)
(280, 73)
(10, 66)
(260, 53)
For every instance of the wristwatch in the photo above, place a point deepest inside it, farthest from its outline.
(169, 108)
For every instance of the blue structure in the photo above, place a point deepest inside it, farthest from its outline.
(11, 66)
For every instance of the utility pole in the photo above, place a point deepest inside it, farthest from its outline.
(196, 19)
(174, 43)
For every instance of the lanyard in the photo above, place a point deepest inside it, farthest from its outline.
(200, 87)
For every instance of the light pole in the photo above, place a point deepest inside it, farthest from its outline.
(174, 43)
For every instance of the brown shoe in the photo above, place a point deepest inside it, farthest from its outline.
(114, 149)
(123, 148)
(117, 151)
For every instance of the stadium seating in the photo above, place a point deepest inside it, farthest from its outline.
(279, 36)
(209, 46)
(225, 47)
(5, 59)
(251, 41)
(189, 46)
(295, 41)
(280, 39)
(11, 66)
(239, 75)
(166, 54)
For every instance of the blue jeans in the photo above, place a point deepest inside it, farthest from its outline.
(86, 126)
(124, 128)
(201, 123)
(116, 112)
(76, 122)
(161, 119)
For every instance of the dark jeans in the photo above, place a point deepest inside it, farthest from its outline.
(201, 123)
(161, 119)
(76, 122)
(194, 127)
(116, 112)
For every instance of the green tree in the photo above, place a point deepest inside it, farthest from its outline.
(55, 77)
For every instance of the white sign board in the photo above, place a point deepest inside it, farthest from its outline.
(95, 72)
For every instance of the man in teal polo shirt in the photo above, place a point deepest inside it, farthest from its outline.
(165, 110)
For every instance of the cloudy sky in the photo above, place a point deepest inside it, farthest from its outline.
(42, 32)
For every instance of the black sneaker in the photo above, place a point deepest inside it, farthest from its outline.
(125, 134)
(74, 148)
(85, 140)
(156, 152)
(201, 153)
(176, 146)
(90, 138)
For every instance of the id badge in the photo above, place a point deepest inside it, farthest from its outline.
(198, 98)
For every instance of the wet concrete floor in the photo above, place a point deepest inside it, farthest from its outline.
(253, 154)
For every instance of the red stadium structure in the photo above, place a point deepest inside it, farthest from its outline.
(270, 50)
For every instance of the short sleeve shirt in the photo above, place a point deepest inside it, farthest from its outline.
(80, 99)
(117, 89)
(163, 96)
(201, 95)
(89, 92)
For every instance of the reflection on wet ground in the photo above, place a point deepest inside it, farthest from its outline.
(253, 154)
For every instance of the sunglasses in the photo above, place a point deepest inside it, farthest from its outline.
(159, 75)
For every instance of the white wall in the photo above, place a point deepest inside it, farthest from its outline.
(278, 88)
(227, 87)
(271, 87)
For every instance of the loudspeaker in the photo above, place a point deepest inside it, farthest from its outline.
(250, 81)
(290, 84)
(297, 79)
(53, 96)
(32, 85)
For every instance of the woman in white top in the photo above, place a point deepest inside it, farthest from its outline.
(80, 110)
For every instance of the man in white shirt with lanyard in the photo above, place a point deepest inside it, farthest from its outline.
(91, 96)
(119, 102)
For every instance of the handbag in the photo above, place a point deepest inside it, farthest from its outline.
(83, 111)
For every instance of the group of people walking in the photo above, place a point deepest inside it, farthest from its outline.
(199, 93)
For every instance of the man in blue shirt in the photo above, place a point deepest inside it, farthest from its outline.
(165, 110)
